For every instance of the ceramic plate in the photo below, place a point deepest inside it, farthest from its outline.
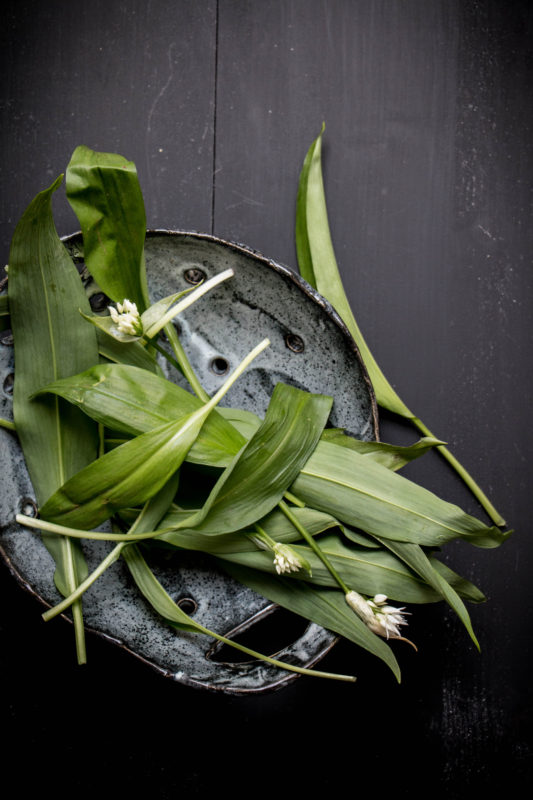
(310, 348)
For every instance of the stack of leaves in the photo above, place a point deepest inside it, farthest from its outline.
(309, 517)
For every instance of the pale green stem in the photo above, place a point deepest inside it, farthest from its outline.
(191, 296)
(464, 474)
(263, 536)
(313, 545)
(294, 500)
(84, 585)
(5, 423)
(184, 365)
(101, 440)
(100, 569)
(302, 670)
(76, 533)
(77, 611)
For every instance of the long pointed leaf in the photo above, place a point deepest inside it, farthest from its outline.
(51, 342)
(326, 607)
(366, 495)
(261, 473)
(389, 455)
(135, 471)
(161, 601)
(130, 400)
(103, 189)
(319, 267)
(414, 556)
(316, 259)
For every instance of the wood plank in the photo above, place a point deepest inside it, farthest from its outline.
(135, 78)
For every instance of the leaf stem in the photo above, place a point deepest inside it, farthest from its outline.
(77, 533)
(5, 423)
(84, 585)
(294, 500)
(313, 545)
(283, 664)
(464, 474)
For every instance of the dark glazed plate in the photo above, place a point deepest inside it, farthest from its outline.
(310, 348)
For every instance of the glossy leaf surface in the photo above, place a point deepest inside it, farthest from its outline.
(103, 190)
(324, 606)
(263, 470)
(130, 400)
(51, 342)
(389, 455)
(367, 495)
(318, 265)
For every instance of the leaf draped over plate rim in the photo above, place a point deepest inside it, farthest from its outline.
(51, 342)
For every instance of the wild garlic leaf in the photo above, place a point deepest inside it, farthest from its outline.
(414, 557)
(261, 473)
(275, 524)
(161, 601)
(389, 455)
(51, 342)
(371, 571)
(135, 471)
(130, 400)
(366, 495)
(104, 192)
(325, 606)
(318, 265)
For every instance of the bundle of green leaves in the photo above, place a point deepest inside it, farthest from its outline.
(309, 517)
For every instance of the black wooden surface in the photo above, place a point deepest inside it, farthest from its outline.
(427, 162)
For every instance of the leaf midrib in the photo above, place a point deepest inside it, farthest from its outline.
(376, 496)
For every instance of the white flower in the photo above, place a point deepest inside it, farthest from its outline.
(285, 559)
(381, 618)
(127, 318)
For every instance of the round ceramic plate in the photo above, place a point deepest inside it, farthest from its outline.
(310, 348)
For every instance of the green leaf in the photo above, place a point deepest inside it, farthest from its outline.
(275, 524)
(369, 571)
(465, 588)
(132, 401)
(103, 189)
(51, 342)
(261, 473)
(366, 495)
(126, 476)
(246, 422)
(324, 606)
(389, 455)
(414, 556)
(4, 311)
(135, 471)
(133, 353)
(318, 266)
(317, 263)
(161, 601)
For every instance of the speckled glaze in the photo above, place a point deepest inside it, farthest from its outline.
(310, 348)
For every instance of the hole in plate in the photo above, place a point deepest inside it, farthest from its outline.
(268, 632)
(6, 337)
(99, 301)
(28, 506)
(9, 380)
(194, 275)
(295, 343)
(188, 605)
(219, 365)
